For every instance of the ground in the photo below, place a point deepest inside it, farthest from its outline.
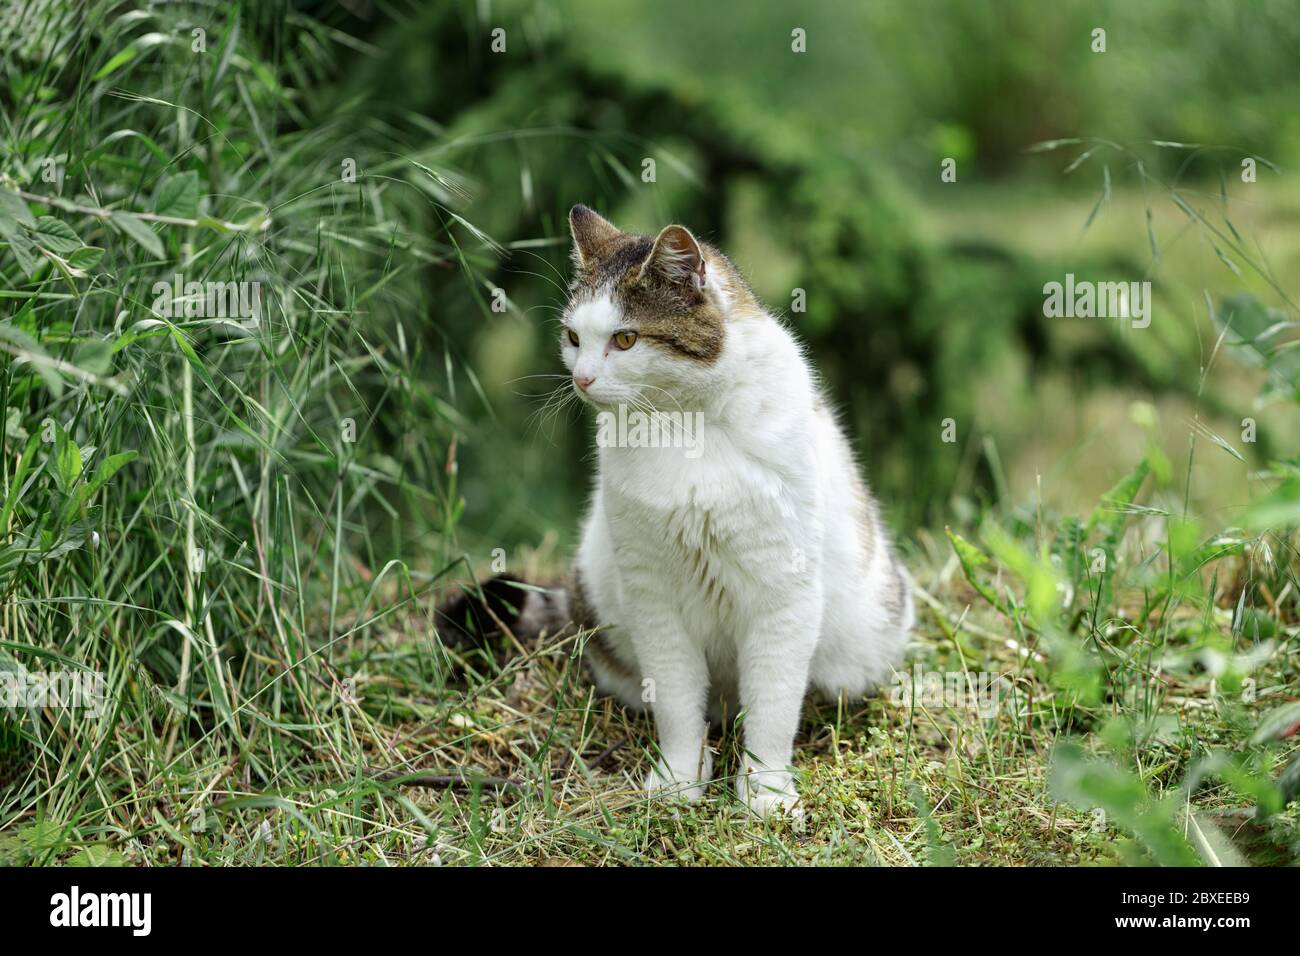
(533, 767)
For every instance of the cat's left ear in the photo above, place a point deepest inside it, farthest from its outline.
(677, 257)
(593, 235)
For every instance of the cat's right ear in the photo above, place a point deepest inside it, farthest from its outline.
(592, 234)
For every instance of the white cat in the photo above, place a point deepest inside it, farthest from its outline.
(746, 561)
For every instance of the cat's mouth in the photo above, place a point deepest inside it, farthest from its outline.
(601, 399)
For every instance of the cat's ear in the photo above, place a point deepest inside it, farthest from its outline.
(592, 233)
(677, 257)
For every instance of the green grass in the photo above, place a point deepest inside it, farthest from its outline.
(286, 699)
(517, 761)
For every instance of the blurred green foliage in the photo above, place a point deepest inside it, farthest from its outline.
(811, 170)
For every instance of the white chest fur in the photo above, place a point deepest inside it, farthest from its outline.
(719, 535)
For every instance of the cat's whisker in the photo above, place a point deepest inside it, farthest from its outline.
(544, 278)
(567, 401)
(539, 375)
(550, 413)
(643, 405)
(525, 378)
(552, 403)
(563, 283)
(670, 395)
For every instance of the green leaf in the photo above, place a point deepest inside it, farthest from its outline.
(120, 59)
(1042, 596)
(140, 232)
(228, 45)
(56, 235)
(14, 208)
(126, 55)
(972, 557)
(1211, 843)
(97, 856)
(178, 196)
(1278, 509)
(67, 459)
(87, 257)
(1115, 503)
(108, 468)
(25, 251)
(95, 356)
(13, 214)
(19, 476)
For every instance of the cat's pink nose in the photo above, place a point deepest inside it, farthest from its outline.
(583, 382)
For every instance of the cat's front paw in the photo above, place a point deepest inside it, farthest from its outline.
(662, 781)
(768, 792)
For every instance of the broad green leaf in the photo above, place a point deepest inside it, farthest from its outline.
(14, 208)
(178, 196)
(56, 235)
(25, 251)
(87, 257)
(95, 356)
(140, 232)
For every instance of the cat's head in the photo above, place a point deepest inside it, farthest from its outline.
(647, 317)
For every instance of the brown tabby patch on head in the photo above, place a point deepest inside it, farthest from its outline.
(612, 261)
(674, 315)
(661, 305)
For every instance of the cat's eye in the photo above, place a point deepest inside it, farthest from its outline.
(625, 340)
(573, 338)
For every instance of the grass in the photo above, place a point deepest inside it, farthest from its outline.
(246, 527)
(406, 752)
(516, 761)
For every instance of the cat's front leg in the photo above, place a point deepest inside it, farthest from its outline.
(774, 657)
(675, 681)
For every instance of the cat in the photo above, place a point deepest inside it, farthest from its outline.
(732, 571)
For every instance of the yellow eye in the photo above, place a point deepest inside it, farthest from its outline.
(573, 338)
(625, 340)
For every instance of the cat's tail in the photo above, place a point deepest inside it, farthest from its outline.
(480, 614)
